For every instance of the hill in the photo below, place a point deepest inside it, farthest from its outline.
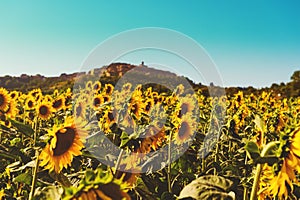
(113, 72)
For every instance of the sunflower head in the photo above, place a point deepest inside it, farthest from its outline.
(185, 129)
(97, 86)
(44, 110)
(67, 141)
(14, 95)
(97, 101)
(30, 103)
(58, 103)
(98, 184)
(109, 89)
(4, 99)
(186, 105)
(12, 109)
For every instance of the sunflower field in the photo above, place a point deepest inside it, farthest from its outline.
(102, 144)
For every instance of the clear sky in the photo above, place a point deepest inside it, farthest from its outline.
(252, 42)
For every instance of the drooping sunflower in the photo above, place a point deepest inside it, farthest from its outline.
(97, 185)
(185, 129)
(66, 143)
(4, 99)
(44, 110)
(264, 184)
(282, 183)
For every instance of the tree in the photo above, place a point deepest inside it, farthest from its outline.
(296, 76)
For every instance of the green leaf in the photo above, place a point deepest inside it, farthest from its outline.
(27, 130)
(124, 139)
(24, 178)
(252, 149)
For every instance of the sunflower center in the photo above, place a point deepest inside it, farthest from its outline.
(78, 110)
(184, 108)
(64, 141)
(97, 102)
(96, 86)
(30, 104)
(2, 99)
(105, 99)
(57, 103)
(108, 90)
(183, 130)
(43, 110)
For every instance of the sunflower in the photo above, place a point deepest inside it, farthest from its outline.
(97, 86)
(96, 193)
(97, 101)
(14, 95)
(89, 85)
(68, 98)
(186, 105)
(126, 87)
(106, 98)
(128, 123)
(282, 183)
(36, 93)
(185, 129)
(67, 142)
(109, 89)
(30, 103)
(136, 106)
(98, 184)
(148, 105)
(80, 109)
(58, 103)
(44, 110)
(2, 194)
(4, 99)
(12, 109)
(265, 178)
(154, 138)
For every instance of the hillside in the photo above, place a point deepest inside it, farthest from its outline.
(113, 72)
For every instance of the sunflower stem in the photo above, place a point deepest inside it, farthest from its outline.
(265, 151)
(245, 187)
(169, 164)
(119, 160)
(34, 178)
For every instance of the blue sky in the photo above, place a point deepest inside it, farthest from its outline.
(252, 43)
